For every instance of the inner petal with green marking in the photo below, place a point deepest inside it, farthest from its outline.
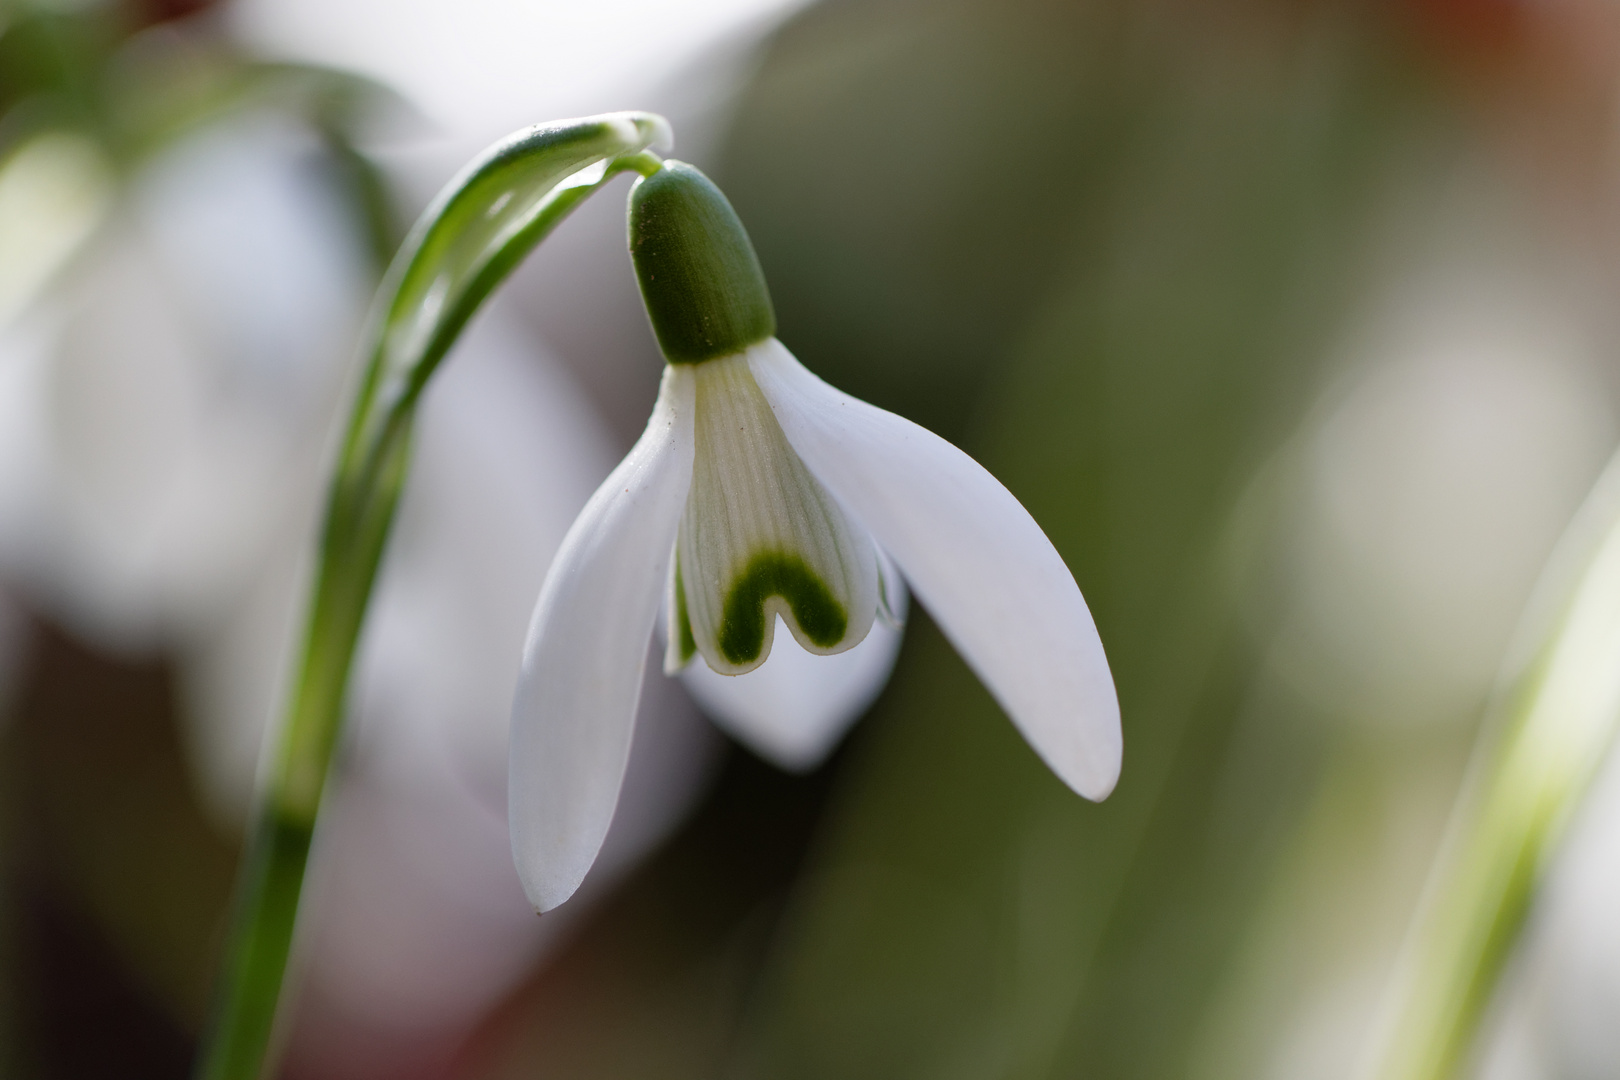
(760, 539)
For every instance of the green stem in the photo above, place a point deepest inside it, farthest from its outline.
(467, 243)
(268, 894)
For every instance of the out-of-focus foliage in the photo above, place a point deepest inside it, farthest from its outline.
(129, 78)
(1099, 244)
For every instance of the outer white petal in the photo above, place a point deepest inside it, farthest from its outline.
(586, 653)
(973, 555)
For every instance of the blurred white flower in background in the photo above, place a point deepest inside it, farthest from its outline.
(1435, 481)
(1438, 486)
(54, 189)
(169, 392)
(482, 68)
(170, 399)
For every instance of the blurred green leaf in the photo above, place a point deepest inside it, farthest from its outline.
(1555, 727)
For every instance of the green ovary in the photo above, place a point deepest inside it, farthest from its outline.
(820, 616)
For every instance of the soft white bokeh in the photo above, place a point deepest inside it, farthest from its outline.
(1434, 483)
(160, 424)
(484, 67)
(54, 190)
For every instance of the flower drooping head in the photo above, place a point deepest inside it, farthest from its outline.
(759, 494)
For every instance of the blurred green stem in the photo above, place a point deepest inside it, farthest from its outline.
(1557, 722)
(476, 233)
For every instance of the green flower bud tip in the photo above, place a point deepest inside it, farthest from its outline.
(700, 279)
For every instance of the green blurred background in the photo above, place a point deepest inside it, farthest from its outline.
(1291, 322)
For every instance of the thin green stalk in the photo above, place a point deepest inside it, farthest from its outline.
(1554, 728)
(465, 245)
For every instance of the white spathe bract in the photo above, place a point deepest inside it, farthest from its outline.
(782, 514)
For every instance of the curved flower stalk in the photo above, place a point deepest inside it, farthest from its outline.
(757, 495)
(475, 233)
(1556, 723)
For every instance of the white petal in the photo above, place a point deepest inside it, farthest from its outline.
(974, 556)
(794, 708)
(761, 538)
(587, 648)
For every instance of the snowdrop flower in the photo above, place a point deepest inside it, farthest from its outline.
(760, 494)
